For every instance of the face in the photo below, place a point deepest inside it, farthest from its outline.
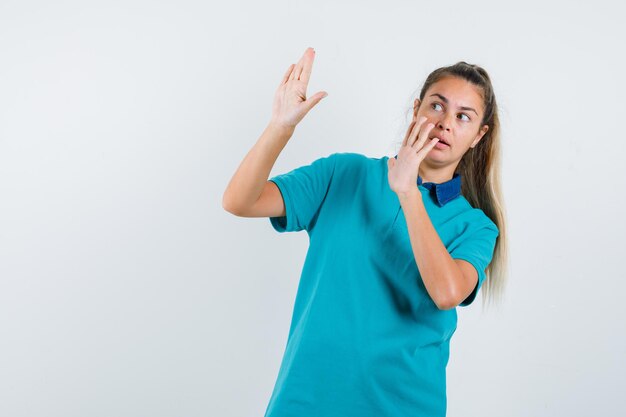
(456, 109)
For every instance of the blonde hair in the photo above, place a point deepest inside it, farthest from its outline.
(480, 169)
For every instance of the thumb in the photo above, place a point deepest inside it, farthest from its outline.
(391, 162)
(314, 99)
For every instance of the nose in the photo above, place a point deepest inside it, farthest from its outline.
(443, 123)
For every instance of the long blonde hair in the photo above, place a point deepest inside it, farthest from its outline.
(480, 172)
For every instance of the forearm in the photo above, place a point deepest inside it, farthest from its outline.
(247, 183)
(438, 270)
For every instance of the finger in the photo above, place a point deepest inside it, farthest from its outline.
(298, 69)
(304, 61)
(408, 133)
(412, 133)
(313, 100)
(307, 66)
(292, 76)
(286, 76)
(423, 136)
(293, 73)
(411, 130)
(424, 151)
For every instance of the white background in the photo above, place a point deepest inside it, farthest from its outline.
(126, 289)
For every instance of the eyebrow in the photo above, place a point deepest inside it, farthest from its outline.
(445, 100)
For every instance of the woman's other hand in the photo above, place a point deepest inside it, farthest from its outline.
(402, 173)
(290, 101)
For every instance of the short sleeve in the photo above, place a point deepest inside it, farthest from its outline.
(477, 249)
(304, 190)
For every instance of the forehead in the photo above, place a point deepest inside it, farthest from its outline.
(458, 91)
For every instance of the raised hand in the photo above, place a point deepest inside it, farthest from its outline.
(290, 101)
(402, 173)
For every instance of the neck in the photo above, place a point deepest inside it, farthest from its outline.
(436, 174)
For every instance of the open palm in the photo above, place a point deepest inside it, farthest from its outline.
(290, 101)
(402, 173)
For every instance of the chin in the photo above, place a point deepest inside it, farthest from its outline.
(436, 158)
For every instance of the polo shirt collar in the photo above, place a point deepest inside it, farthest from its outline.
(444, 191)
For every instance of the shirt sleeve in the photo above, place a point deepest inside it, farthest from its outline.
(304, 190)
(477, 249)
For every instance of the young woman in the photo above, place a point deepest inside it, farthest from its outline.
(396, 244)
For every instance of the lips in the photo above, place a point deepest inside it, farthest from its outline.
(442, 140)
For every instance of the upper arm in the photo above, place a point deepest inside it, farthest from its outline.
(269, 204)
(303, 190)
(472, 253)
(468, 281)
(291, 200)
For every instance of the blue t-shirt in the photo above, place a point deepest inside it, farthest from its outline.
(365, 338)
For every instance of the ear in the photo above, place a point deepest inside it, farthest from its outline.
(479, 136)
(416, 105)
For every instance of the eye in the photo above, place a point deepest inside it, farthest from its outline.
(462, 114)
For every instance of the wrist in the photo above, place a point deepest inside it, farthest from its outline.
(280, 129)
(411, 195)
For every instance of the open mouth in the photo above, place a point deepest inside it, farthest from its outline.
(440, 143)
